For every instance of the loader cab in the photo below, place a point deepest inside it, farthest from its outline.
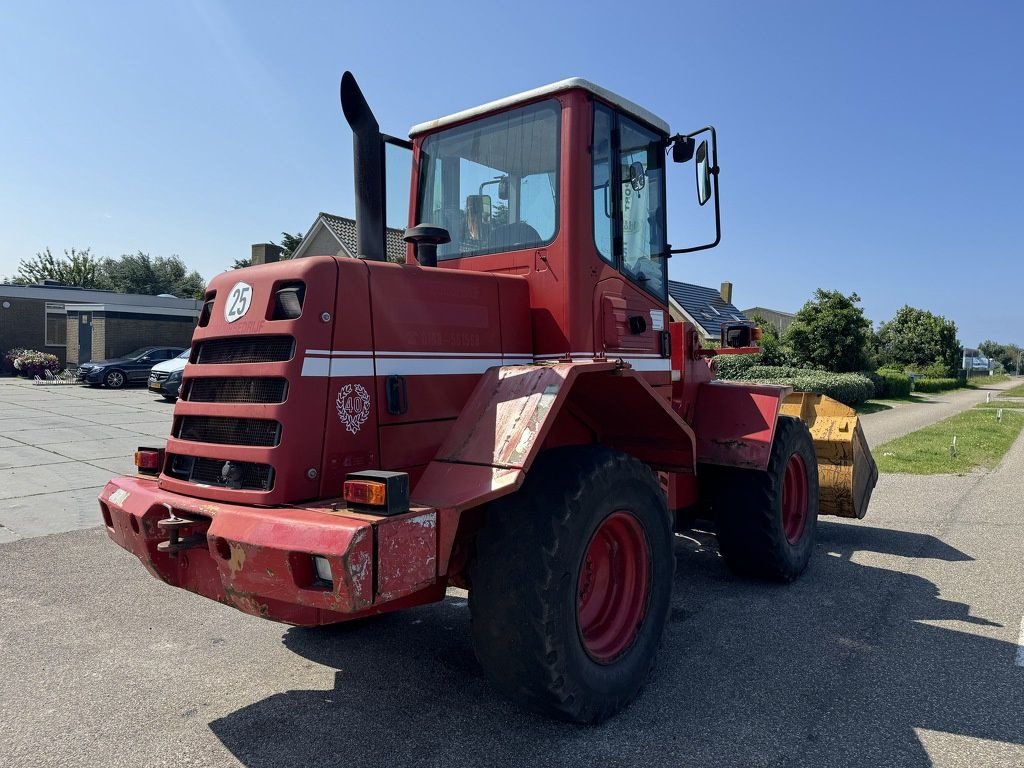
(565, 186)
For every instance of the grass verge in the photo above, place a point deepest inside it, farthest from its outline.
(1017, 391)
(980, 382)
(981, 442)
(999, 403)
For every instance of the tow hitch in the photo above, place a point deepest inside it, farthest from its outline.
(175, 525)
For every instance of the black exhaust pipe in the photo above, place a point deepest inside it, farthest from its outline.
(368, 157)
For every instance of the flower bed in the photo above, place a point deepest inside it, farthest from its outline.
(30, 362)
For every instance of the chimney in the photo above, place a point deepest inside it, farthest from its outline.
(725, 291)
(266, 253)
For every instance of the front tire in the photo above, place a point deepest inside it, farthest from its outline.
(571, 584)
(766, 521)
(114, 380)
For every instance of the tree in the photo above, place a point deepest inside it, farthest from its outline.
(289, 245)
(773, 351)
(75, 267)
(916, 338)
(830, 332)
(141, 273)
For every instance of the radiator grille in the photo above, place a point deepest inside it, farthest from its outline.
(245, 349)
(237, 389)
(246, 475)
(225, 430)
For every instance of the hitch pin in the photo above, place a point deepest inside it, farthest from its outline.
(173, 525)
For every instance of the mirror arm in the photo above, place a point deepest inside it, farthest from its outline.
(388, 139)
(718, 210)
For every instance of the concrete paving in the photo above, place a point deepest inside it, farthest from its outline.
(898, 648)
(60, 444)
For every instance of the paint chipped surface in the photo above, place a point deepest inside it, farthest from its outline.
(359, 571)
(237, 559)
(428, 520)
(406, 555)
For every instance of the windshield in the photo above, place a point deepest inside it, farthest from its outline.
(493, 184)
(184, 355)
(138, 353)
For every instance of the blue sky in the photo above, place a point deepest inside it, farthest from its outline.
(870, 147)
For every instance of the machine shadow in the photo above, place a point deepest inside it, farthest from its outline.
(838, 668)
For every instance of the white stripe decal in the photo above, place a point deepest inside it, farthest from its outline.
(434, 366)
(316, 366)
(352, 363)
(351, 366)
(642, 364)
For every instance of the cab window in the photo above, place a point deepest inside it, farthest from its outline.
(629, 199)
(493, 184)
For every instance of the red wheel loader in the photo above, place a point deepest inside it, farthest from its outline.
(510, 411)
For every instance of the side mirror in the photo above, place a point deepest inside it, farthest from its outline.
(703, 174)
(478, 216)
(637, 176)
(503, 188)
(682, 149)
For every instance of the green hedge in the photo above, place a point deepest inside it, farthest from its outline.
(848, 388)
(733, 366)
(890, 383)
(935, 385)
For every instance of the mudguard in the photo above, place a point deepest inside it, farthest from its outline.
(735, 423)
(512, 410)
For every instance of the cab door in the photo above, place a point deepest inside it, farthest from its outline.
(630, 309)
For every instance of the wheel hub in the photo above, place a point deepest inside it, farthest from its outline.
(794, 499)
(614, 580)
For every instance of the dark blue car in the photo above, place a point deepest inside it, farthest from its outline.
(133, 368)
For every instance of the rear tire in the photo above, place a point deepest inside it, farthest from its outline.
(571, 584)
(766, 521)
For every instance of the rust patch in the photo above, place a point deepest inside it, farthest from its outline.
(246, 603)
(237, 559)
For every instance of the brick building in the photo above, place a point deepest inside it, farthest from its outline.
(78, 324)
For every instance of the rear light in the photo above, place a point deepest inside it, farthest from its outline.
(380, 493)
(149, 460)
(366, 492)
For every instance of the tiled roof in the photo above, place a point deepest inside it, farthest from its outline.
(705, 306)
(345, 230)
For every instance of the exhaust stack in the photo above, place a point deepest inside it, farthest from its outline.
(368, 157)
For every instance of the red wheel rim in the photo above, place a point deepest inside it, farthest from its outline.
(611, 597)
(794, 499)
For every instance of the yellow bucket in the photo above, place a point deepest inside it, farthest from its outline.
(846, 469)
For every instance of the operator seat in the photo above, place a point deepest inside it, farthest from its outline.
(519, 234)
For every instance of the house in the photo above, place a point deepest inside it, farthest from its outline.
(777, 318)
(706, 308)
(333, 235)
(82, 324)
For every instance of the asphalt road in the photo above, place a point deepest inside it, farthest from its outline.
(898, 648)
